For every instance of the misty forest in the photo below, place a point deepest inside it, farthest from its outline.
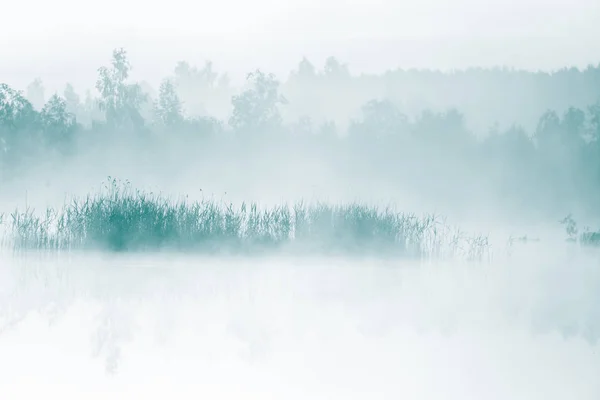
(525, 142)
(448, 201)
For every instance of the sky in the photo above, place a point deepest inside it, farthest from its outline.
(67, 40)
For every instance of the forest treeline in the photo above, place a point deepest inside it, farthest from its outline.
(409, 128)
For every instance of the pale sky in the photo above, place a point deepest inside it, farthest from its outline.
(70, 39)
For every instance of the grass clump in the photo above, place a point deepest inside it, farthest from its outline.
(122, 219)
(585, 237)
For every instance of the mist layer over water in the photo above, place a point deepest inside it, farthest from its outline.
(98, 326)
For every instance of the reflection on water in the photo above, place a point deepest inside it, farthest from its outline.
(523, 328)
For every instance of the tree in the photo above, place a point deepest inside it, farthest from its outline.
(256, 109)
(58, 124)
(16, 112)
(303, 127)
(442, 129)
(334, 69)
(594, 121)
(561, 138)
(72, 99)
(224, 81)
(207, 75)
(513, 146)
(380, 118)
(306, 71)
(184, 74)
(328, 129)
(548, 129)
(168, 108)
(120, 100)
(194, 86)
(36, 94)
(19, 124)
(203, 78)
(573, 122)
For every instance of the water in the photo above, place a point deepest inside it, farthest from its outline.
(99, 326)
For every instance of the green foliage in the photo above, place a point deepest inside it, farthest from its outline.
(380, 118)
(16, 112)
(168, 108)
(25, 132)
(594, 112)
(306, 70)
(59, 125)
(19, 127)
(400, 138)
(586, 237)
(256, 109)
(442, 129)
(334, 69)
(123, 219)
(198, 86)
(35, 94)
(121, 101)
(74, 105)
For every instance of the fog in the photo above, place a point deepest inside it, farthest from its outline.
(116, 327)
(300, 200)
(372, 36)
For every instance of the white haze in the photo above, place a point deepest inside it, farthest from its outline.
(67, 40)
(180, 327)
(524, 326)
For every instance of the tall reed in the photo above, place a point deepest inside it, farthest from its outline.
(120, 218)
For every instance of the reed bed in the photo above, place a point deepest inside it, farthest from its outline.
(122, 219)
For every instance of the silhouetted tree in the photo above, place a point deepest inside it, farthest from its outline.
(335, 69)
(58, 124)
(19, 126)
(381, 118)
(303, 127)
(16, 112)
(256, 109)
(306, 71)
(168, 108)
(594, 112)
(72, 99)
(442, 129)
(36, 94)
(120, 100)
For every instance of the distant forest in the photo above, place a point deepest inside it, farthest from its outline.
(519, 137)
